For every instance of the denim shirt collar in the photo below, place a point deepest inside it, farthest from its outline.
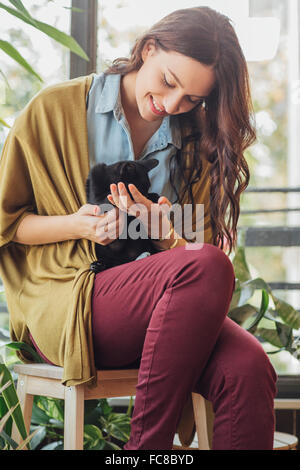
(110, 101)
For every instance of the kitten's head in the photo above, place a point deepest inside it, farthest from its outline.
(102, 176)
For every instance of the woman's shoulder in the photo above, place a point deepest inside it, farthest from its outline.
(56, 102)
(69, 89)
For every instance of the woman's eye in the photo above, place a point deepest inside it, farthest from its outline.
(196, 102)
(167, 83)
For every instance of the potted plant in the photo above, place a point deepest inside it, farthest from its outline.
(282, 317)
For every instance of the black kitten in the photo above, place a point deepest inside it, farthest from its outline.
(100, 177)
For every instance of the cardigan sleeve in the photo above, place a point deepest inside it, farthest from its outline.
(16, 194)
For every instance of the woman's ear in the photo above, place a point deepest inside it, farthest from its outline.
(149, 49)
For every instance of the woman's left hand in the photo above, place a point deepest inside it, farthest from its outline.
(152, 215)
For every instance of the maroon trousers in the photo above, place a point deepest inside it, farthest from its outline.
(167, 315)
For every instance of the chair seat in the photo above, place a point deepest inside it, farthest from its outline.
(46, 380)
(55, 372)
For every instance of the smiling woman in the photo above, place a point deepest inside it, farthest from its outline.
(156, 85)
(165, 313)
(208, 67)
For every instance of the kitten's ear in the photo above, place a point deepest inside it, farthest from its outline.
(149, 164)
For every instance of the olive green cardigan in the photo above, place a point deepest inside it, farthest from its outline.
(43, 169)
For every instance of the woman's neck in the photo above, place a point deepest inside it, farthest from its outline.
(140, 129)
(130, 107)
(128, 98)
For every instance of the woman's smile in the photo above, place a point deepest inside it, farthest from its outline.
(157, 109)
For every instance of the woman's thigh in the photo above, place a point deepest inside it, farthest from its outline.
(124, 298)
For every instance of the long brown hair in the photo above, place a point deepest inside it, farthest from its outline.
(225, 128)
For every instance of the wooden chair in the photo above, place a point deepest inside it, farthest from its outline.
(45, 380)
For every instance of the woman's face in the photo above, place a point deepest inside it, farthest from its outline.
(170, 83)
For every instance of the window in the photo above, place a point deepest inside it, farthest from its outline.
(48, 58)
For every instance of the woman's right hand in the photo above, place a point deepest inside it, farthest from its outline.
(99, 228)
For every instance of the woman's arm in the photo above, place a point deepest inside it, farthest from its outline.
(85, 223)
(42, 229)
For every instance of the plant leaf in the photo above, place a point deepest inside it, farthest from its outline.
(288, 314)
(118, 426)
(236, 295)
(15, 55)
(106, 409)
(38, 437)
(285, 334)
(246, 292)
(57, 445)
(258, 283)
(50, 31)
(92, 436)
(240, 314)
(19, 346)
(39, 416)
(263, 308)
(6, 416)
(27, 440)
(3, 123)
(130, 406)
(111, 445)
(18, 14)
(240, 265)
(4, 334)
(11, 400)
(62, 38)
(19, 5)
(13, 444)
(270, 335)
(78, 10)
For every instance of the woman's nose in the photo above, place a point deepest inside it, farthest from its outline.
(172, 103)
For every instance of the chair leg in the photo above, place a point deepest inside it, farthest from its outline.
(74, 418)
(26, 404)
(200, 420)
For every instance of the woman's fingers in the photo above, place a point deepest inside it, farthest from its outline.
(126, 202)
(111, 224)
(120, 197)
(89, 209)
(154, 216)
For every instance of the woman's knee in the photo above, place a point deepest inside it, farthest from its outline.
(206, 279)
(239, 364)
(214, 269)
(250, 365)
(206, 259)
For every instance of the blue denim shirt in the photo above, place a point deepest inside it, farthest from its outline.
(109, 136)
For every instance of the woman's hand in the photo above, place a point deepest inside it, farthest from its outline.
(99, 228)
(152, 215)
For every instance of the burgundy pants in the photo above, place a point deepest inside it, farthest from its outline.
(167, 314)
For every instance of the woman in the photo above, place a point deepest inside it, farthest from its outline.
(183, 97)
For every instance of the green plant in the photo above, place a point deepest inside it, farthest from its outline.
(19, 11)
(10, 411)
(104, 429)
(278, 322)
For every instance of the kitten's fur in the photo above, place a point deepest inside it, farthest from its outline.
(100, 177)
